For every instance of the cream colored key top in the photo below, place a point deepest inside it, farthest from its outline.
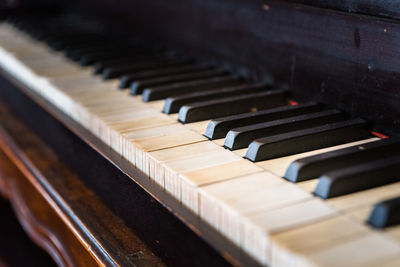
(144, 123)
(219, 142)
(53, 67)
(78, 79)
(23, 51)
(262, 225)
(192, 180)
(96, 97)
(240, 152)
(154, 160)
(199, 127)
(393, 262)
(279, 165)
(173, 168)
(103, 102)
(231, 206)
(58, 71)
(120, 140)
(142, 146)
(366, 250)
(113, 125)
(124, 116)
(365, 198)
(289, 246)
(393, 232)
(157, 105)
(153, 132)
(47, 61)
(309, 185)
(82, 81)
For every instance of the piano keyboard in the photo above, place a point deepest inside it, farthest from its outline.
(292, 184)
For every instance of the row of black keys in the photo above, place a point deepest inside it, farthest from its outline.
(208, 98)
(255, 116)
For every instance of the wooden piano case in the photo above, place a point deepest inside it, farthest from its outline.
(93, 207)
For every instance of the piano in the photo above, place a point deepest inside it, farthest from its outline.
(203, 133)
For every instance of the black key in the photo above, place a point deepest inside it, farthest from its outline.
(98, 48)
(306, 140)
(218, 128)
(173, 104)
(314, 166)
(114, 72)
(385, 213)
(138, 86)
(241, 137)
(96, 56)
(161, 92)
(127, 79)
(359, 177)
(231, 105)
(73, 43)
(92, 58)
(80, 47)
(100, 66)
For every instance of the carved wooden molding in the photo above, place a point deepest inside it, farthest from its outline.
(38, 213)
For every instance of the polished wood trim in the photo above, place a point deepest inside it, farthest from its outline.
(57, 210)
(39, 215)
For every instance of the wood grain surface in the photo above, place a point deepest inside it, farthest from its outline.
(57, 210)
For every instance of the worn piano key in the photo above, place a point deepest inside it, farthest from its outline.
(369, 249)
(114, 72)
(127, 79)
(161, 92)
(385, 213)
(250, 209)
(314, 166)
(307, 139)
(219, 127)
(360, 204)
(173, 104)
(156, 160)
(192, 180)
(173, 168)
(391, 262)
(359, 177)
(313, 237)
(241, 137)
(138, 86)
(231, 105)
(247, 195)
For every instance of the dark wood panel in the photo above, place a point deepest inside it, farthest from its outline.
(383, 8)
(339, 58)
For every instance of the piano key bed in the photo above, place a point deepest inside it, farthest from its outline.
(292, 184)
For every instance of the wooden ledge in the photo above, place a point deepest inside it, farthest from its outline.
(57, 210)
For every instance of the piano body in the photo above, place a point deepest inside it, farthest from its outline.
(203, 133)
